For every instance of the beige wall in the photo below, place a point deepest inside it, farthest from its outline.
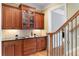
(47, 17)
(10, 33)
(71, 9)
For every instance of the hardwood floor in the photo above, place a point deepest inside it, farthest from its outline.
(44, 53)
(41, 53)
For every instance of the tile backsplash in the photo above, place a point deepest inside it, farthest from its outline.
(10, 34)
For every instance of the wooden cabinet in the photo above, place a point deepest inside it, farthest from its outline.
(29, 46)
(23, 46)
(41, 43)
(27, 17)
(6, 17)
(39, 20)
(36, 21)
(16, 19)
(11, 17)
(24, 17)
(18, 48)
(12, 48)
(8, 48)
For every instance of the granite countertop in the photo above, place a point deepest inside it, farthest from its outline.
(21, 38)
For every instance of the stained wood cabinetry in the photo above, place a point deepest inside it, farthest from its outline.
(39, 20)
(8, 48)
(29, 46)
(24, 17)
(27, 17)
(41, 43)
(11, 17)
(12, 48)
(23, 46)
(18, 48)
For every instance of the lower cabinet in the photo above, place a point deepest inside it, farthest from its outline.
(12, 48)
(29, 46)
(23, 47)
(8, 48)
(18, 48)
(41, 43)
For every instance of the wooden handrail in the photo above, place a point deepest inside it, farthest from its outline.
(71, 19)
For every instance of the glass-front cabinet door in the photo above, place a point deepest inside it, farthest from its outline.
(28, 19)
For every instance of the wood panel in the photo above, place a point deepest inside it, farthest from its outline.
(16, 19)
(23, 46)
(41, 43)
(39, 21)
(18, 48)
(11, 17)
(6, 17)
(8, 48)
(29, 46)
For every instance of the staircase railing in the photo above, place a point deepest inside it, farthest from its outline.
(64, 41)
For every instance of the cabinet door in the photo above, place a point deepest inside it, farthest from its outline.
(11, 18)
(6, 17)
(29, 46)
(43, 43)
(18, 48)
(39, 21)
(16, 19)
(38, 44)
(8, 49)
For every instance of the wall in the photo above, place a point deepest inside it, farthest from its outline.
(57, 21)
(71, 9)
(10, 33)
(48, 20)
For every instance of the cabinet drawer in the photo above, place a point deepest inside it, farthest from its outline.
(29, 51)
(27, 48)
(29, 42)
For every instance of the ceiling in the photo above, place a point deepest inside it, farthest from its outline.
(38, 5)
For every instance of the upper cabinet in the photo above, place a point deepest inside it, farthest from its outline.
(23, 17)
(11, 17)
(39, 20)
(27, 17)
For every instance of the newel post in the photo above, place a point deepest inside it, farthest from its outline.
(50, 44)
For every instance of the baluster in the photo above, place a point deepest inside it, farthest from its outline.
(47, 46)
(68, 39)
(76, 37)
(59, 43)
(54, 44)
(65, 40)
(72, 37)
(62, 39)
